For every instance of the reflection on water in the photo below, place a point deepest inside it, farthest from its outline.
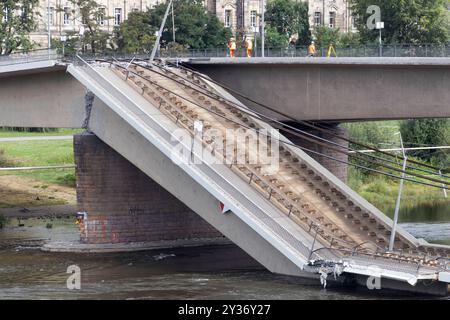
(439, 212)
(215, 272)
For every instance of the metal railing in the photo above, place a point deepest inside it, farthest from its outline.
(396, 50)
(30, 56)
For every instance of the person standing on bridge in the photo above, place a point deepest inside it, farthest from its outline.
(248, 46)
(232, 47)
(312, 49)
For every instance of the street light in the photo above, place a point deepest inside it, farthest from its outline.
(48, 28)
(263, 31)
(379, 26)
(255, 33)
(399, 196)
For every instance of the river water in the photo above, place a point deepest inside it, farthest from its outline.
(213, 272)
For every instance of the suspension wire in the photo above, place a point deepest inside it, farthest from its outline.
(310, 134)
(301, 121)
(289, 143)
(312, 140)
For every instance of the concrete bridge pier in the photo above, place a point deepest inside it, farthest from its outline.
(339, 169)
(125, 207)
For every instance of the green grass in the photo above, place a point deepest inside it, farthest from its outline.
(382, 191)
(40, 153)
(7, 133)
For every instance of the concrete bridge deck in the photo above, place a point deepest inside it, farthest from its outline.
(337, 89)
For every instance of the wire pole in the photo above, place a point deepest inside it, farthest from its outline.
(173, 24)
(399, 196)
(443, 185)
(48, 29)
(158, 39)
(263, 29)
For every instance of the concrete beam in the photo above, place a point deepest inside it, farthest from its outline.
(41, 97)
(128, 142)
(338, 89)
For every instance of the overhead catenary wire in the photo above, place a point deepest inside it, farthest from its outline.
(221, 99)
(301, 121)
(282, 141)
(315, 136)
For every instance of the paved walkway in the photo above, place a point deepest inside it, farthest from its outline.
(39, 138)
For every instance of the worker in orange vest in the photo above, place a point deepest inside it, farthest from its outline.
(312, 49)
(248, 46)
(232, 47)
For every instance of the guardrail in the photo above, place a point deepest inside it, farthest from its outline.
(27, 57)
(400, 50)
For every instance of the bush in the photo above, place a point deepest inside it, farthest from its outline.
(428, 132)
(3, 221)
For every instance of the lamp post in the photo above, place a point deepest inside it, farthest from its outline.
(48, 28)
(255, 33)
(160, 32)
(379, 26)
(399, 196)
(263, 31)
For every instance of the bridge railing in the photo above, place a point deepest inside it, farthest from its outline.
(30, 56)
(397, 50)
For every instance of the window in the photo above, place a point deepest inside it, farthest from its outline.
(5, 15)
(354, 20)
(66, 16)
(50, 15)
(101, 16)
(253, 18)
(317, 18)
(227, 21)
(135, 10)
(117, 16)
(332, 19)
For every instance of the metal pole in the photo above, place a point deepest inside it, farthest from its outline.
(173, 24)
(381, 45)
(158, 39)
(443, 185)
(48, 27)
(263, 26)
(399, 196)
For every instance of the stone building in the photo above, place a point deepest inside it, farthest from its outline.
(243, 17)
(64, 16)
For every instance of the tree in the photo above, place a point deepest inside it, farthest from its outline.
(17, 20)
(195, 28)
(325, 35)
(136, 34)
(427, 132)
(91, 15)
(405, 21)
(289, 18)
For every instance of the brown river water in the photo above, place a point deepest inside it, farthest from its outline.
(210, 272)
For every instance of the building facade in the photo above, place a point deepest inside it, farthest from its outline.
(243, 17)
(64, 16)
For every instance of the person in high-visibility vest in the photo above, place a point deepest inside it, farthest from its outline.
(312, 49)
(232, 47)
(331, 50)
(248, 46)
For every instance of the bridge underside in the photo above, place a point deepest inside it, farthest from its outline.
(338, 89)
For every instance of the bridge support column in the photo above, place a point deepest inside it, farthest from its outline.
(123, 205)
(339, 169)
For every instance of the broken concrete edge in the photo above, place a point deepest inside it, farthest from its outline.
(72, 247)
